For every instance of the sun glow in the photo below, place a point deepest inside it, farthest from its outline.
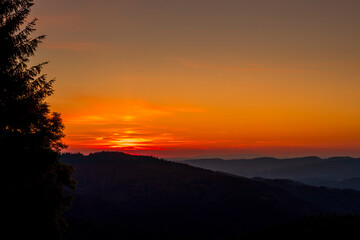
(143, 127)
(265, 83)
(132, 142)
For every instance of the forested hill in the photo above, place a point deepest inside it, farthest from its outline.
(122, 196)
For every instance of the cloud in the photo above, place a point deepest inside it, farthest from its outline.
(259, 67)
(45, 21)
(74, 46)
(100, 122)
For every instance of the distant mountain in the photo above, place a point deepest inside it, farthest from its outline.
(351, 183)
(121, 196)
(247, 167)
(328, 172)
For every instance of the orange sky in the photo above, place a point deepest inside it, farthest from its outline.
(204, 77)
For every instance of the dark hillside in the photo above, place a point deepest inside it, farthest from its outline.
(137, 197)
(320, 227)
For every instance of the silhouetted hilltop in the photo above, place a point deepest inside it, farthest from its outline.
(138, 197)
(328, 172)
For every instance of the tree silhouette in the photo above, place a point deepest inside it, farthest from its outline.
(30, 134)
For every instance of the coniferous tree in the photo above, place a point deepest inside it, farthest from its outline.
(30, 134)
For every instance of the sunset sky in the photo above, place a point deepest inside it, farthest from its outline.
(228, 78)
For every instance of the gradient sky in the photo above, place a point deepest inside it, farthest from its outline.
(182, 78)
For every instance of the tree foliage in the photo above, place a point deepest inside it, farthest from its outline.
(30, 134)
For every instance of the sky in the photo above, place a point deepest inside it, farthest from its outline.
(199, 78)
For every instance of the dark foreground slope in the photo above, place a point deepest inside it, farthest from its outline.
(120, 196)
(320, 227)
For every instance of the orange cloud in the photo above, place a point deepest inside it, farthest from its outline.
(105, 123)
(136, 126)
(73, 46)
(259, 67)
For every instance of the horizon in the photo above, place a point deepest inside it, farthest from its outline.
(181, 79)
(222, 157)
